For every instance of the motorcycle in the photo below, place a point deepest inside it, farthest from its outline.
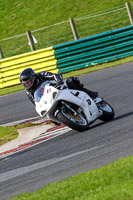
(74, 108)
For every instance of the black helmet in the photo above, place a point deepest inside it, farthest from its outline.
(27, 78)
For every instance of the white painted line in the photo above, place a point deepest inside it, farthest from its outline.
(19, 122)
(60, 130)
(24, 170)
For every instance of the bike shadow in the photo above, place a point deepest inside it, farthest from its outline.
(115, 119)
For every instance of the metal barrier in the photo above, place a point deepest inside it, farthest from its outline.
(94, 50)
(10, 68)
(70, 56)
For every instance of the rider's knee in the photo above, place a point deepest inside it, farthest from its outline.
(74, 83)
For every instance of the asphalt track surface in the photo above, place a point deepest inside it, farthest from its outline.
(72, 152)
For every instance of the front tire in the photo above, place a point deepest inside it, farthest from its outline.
(72, 118)
(108, 111)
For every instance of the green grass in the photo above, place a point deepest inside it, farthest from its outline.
(18, 16)
(21, 15)
(10, 132)
(111, 182)
(7, 134)
(10, 90)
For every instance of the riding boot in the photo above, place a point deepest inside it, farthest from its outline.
(92, 94)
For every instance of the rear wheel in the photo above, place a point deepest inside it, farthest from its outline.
(108, 111)
(72, 118)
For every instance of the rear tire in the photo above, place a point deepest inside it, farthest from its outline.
(108, 111)
(72, 118)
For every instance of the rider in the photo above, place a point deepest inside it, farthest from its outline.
(31, 80)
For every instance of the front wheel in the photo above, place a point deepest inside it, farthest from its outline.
(108, 111)
(72, 118)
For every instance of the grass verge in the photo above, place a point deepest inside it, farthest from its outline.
(10, 90)
(10, 132)
(19, 16)
(7, 134)
(111, 182)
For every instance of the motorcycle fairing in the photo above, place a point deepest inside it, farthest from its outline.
(47, 104)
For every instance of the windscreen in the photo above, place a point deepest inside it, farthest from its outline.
(40, 91)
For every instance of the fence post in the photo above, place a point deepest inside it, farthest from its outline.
(30, 39)
(73, 29)
(129, 11)
(1, 54)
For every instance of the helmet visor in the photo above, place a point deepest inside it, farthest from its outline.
(27, 84)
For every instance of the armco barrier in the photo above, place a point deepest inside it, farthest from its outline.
(70, 56)
(10, 68)
(93, 50)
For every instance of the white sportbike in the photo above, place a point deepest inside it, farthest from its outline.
(74, 108)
